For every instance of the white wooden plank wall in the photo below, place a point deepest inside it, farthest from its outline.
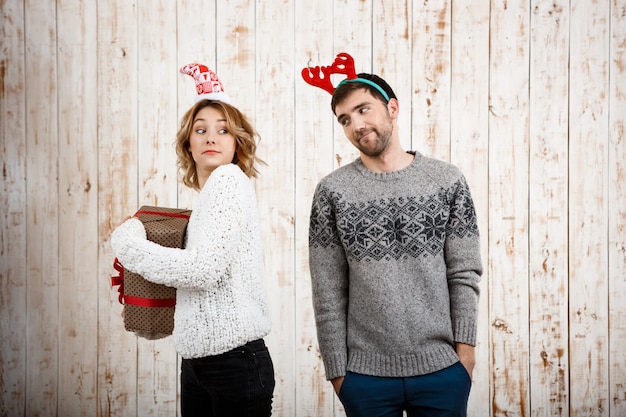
(527, 98)
(508, 257)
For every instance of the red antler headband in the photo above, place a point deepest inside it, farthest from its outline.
(208, 86)
(344, 64)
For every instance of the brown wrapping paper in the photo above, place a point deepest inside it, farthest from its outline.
(167, 227)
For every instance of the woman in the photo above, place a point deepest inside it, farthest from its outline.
(221, 314)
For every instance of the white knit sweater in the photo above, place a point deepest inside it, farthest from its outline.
(220, 301)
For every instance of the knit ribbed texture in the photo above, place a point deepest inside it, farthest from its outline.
(404, 245)
(220, 300)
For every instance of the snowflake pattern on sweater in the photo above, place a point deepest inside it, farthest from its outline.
(395, 265)
(394, 227)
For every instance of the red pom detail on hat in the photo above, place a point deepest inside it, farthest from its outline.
(208, 86)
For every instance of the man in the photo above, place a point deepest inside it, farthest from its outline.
(395, 264)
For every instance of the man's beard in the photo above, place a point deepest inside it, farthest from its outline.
(382, 142)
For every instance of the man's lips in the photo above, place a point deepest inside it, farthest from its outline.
(364, 135)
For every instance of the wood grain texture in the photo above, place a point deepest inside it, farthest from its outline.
(432, 21)
(391, 56)
(548, 287)
(352, 33)
(526, 98)
(508, 207)
(78, 193)
(117, 197)
(274, 119)
(469, 150)
(42, 213)
(195, 42)
(588, 205)
(617, 209)
(13, 205)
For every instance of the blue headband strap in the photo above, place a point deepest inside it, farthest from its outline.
(368, 82)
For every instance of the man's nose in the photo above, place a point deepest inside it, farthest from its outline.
(358, 124)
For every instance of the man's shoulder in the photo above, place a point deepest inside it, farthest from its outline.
(341, 175)
(438, 169)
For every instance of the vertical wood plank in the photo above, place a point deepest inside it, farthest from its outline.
(391, 55)
(42, 231)
(617, 209)
(548, 289)
(314, 158)
(157, 380)
(469, 150)
(588, 205)
(78, 226)
(431, 78)
(274, 118)
(195, 42)
(13, 201)
(117, 197)
(352, 33)
(508, 207)
(235, 53)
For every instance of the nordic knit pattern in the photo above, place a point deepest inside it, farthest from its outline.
(395, 265)
(220, 301)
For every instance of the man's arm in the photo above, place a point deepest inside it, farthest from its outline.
(329, 284)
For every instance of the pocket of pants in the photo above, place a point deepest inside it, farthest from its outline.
(343, 385)
(264, 369)
(464, 372)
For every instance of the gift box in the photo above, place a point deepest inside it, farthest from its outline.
(149, 307)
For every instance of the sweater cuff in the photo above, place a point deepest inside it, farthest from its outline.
(335, 365)
(122, 236)
(464, 331)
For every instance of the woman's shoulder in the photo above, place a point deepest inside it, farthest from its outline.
(227, 178)
(225, 174)
(231, 169)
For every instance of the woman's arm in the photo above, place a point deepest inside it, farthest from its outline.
(216, 229)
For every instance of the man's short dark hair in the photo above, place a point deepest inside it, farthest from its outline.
(342, 91)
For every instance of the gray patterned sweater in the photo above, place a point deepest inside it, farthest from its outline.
(395, 265)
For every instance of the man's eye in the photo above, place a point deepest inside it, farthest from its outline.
(364, 109)
(344, 122)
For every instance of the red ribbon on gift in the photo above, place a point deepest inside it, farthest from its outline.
(119, 280)
(160, 213)
(138, 301)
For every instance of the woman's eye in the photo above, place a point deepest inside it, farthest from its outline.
(223, 131)
(200, 131)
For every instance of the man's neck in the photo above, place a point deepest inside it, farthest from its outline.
(389, 161)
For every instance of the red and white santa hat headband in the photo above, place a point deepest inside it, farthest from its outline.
(208, 86)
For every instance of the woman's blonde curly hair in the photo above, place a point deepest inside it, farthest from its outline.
(237, 124)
